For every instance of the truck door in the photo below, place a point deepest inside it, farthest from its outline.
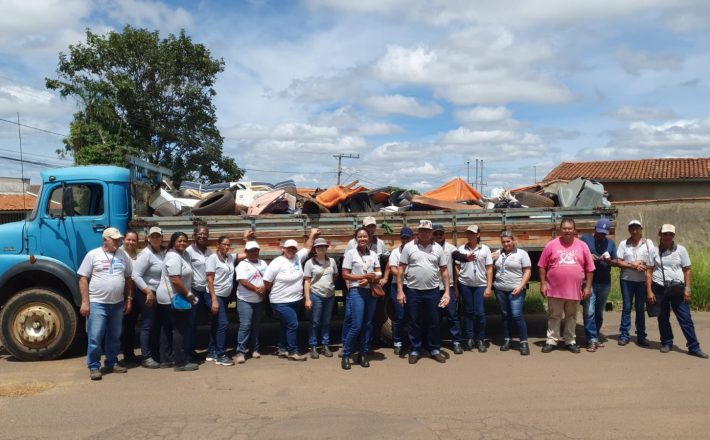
(73, 220)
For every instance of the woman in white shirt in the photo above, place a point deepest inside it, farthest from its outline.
(284, 279)
(319, 275)
(250, 301)
(128, 333)
(219, 268)
(176, 279)
(361, 266)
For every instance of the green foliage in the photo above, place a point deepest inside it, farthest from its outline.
(142, 95)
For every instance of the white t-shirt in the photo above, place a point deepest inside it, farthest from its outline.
(107, 273)
(254, 274)
(223, 273)
(174, 265)
(394, 262)
(322, 277)
(287, 278)
(473, 273)
(509, 269)
(674, 260)
(423, 264)
(148, 269)
(629, 253)
(198, 260)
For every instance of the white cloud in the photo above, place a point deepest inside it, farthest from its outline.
(286, 131)
(636, 62)
(642, 113)
(405, 105)
(147, 13)
(482, 114)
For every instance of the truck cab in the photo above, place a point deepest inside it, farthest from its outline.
(39, 289)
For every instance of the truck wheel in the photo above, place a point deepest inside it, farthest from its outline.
(37, 324)
(532, 200)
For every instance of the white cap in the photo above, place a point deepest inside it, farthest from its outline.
(473, 228)
(155, 230)
(112, 233)
(425, 224)
(635, 222)
(290, 243)
(367, 221)
(668, 228)
(251, 245)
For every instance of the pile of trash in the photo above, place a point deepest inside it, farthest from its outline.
(257, 198)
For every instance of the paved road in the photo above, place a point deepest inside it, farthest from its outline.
(618, 392)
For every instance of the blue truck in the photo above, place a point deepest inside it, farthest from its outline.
(39, 289)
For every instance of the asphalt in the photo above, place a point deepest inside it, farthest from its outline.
(617, 392)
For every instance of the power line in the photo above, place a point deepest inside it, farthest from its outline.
(340, 157)
(31, 162)
(34, 128)
(289, 172)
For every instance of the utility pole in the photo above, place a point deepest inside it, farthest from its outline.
(475, 179)
(535, 173)
(468, 178)
(340, 161)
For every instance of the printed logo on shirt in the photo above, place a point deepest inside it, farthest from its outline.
(568, 257)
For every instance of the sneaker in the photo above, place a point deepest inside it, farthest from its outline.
(256, 355)
(224, 360)
(326, 352)
(457, 348)
(313, 352)
(642, 342)
(574, 348)
(397, 350)
(297, 357)
(115, 368)
(150, 363)
(469, 345)
(481, 346)
(95, 374)
(211, 357)
(698, 353)
(623, 341)
(524, 349)
(187, 367)
(548, 348)
(282, 353)
(167, 365)
(665, 348)
(439, 358)
(505, 346)
(413, 358)
(241, 359)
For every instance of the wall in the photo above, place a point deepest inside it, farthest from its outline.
(620, 191)
(13, 185)
(691, 219)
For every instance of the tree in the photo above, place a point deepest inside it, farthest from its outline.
(143, 96)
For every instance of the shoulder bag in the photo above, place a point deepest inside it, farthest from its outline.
(672, 288)
(177, 301)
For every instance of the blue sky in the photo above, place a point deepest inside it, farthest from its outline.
(416, 87)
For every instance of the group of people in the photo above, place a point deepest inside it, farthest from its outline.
(168, 287)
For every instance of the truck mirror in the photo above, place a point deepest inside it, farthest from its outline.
(67, 201)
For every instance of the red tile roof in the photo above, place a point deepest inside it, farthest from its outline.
(634, 170)
(14, 202)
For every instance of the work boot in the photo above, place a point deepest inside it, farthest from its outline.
(505, 346)
(362, 360)
(397, 350)
(457, 348)
(345, 363)
(524, 349)
(95, 374)
(469, 345)
(326, 351)
(314, 353)
(115, 368)
(481, 346)
(190, 366)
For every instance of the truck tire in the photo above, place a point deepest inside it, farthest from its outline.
(37, 324)
(219, 203)
(532, 200)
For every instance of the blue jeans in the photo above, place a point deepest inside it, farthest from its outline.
(633, 294)
(193, 319)
(362, 313)
(288, 332)
(511, 309)
(682, 314)
(423, 310)
(452, 315)
(594, 311)
(220, 323)
(104, 330)
(474, 312)
(250, 315)
(399, 318)
(320, 319)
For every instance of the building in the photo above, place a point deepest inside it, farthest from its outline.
(646, 179)
(16, 201)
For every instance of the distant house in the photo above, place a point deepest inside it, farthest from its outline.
(646, 179)
(16, 201)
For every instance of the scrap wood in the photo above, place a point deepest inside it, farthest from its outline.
(440, 204)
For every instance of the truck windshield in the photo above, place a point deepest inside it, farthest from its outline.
(33, 215)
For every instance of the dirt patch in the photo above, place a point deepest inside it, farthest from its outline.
(24, 389)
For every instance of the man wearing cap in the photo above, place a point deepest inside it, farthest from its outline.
(604, 255)
(423, 265)
(565, 265)
(376, 243)
(392, 268)
(452, 313)
(106, 292)
(633, 254)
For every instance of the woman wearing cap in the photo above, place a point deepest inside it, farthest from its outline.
(512, 273)
(475, 285)
(220, 281)
(319, 275)
(176, 279)
(250, 301)
(128, 333)
(632, 256)
(360, 267)
(398, 320)
(284, 278)
(668, 280)
(146, 276)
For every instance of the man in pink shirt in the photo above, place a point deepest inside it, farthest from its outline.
(564, 265)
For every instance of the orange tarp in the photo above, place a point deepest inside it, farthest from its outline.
(456, 190)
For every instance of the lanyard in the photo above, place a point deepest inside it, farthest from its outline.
(110, 267)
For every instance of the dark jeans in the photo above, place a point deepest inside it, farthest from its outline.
(362, 313)
(149, 339)
(220, 323)
(633, 294)
(194, 318)
(400, 316)
(320, 320)
(682, 314)
(423, 310)
(511, 310)
(288, 332)
(173, 341)
(452, 315)
(474, 312)
(594, 311)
